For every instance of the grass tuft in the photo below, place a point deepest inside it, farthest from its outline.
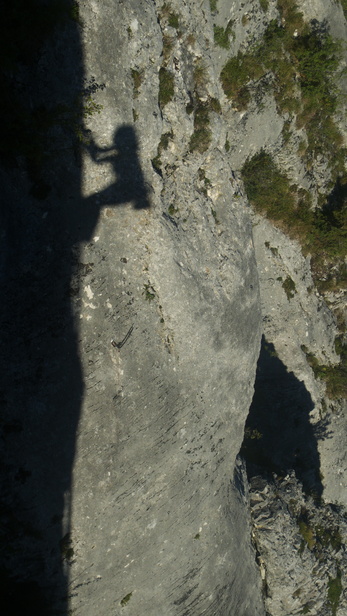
(166, 87)
(222, 35)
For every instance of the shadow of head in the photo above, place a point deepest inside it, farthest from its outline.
(125, 141)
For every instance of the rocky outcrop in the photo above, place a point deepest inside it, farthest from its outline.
(146, 337)
(309, 539)
(139, 283)
(158, 524)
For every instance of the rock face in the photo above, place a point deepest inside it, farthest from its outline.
(138, 330)
(154, 503)
(138, 286)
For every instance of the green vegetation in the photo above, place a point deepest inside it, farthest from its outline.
(169, 15)
(308, 536)
(329, 537)
(334, 592)
(206, 182)
(126, 599)
(137, 77)
(173, 20)
(213, 6)
(289, 287)
(163, 145)
(75, 12)
(267, 188)
(214, 105)
(303, 61)
(201, 137)
(321, 232)
(252, 434)
(148, 292)
(168, 44)
(335, 377)
(264, 5)
(199, 77)
(172, 210)
(214, 214)
(221, 35)
(344, 7)
(166, 87)
(273, 249)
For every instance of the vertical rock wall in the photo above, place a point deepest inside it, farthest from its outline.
(159, 525)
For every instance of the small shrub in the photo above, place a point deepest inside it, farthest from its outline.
(235, 76)
(201, 137)
(335, 377)
(214, 105)
(213, 6)
(221, 35)
(267, 188)
(173, 20)
(307, 534)
(264, 5)
(166, 87)
(329, 537)
(334, 592)
(74, 12)
(90, 107)
(289, 288)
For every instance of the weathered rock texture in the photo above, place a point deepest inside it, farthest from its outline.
(133, 322)
(295, 435)
(143, 513)
(157, 521)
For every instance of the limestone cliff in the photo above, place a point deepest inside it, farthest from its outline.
(139, 282)
(133, 315)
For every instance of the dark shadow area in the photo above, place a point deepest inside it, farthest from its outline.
(123, 156)
(335, 208)
(43, 220)
(278, 434)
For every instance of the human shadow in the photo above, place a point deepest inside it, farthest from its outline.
(123, 156)
(278, 434)
(43, 221)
